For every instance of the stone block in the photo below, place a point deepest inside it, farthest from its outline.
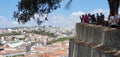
(112, 38)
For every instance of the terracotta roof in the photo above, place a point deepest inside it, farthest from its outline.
(60, 52)
(1, 52)
(32, 55)
(46, 55)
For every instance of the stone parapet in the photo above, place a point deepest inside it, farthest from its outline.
(95, 41)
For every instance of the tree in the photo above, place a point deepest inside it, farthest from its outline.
(13, 38)
(27, 9)
(113, 5)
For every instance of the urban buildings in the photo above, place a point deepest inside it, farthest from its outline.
(30, 44)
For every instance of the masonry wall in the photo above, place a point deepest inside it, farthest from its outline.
(95, 41)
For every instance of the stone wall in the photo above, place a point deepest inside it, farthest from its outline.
(95, 41)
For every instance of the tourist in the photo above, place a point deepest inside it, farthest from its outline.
(89, 17)
(86, 19)
(93, 18)
(113, 21)
(102, 17)
(117, 17)
(81, 18)
(98, 19)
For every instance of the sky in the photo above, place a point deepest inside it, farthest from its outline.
(59, 18)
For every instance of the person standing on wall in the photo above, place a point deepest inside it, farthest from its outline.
(81, 18)
(86, 19)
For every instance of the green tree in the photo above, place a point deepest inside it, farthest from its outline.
(13, 38)
(42, 32)
(28, 8)
(15, 33)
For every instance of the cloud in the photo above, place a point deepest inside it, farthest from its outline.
(5, 22)
(76, 14)
(64, 21)
(54, 20)
(1, 17)
(104, 11)
(60, 20)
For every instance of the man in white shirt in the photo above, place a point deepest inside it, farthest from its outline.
(113, 20)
